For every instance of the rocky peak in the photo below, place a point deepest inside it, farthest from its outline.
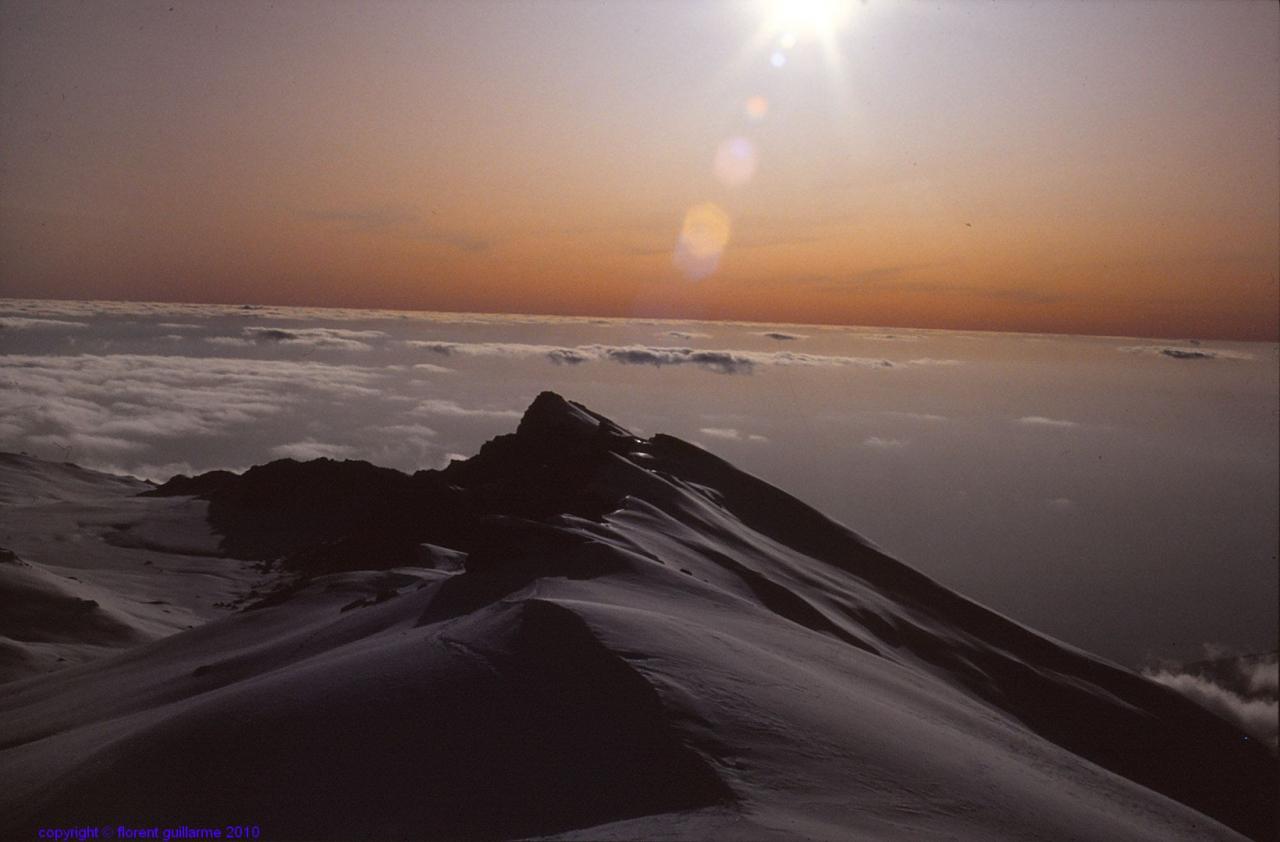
(551, 417)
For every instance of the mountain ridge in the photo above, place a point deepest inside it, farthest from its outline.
(575, 512)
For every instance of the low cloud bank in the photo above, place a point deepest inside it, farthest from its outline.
(23, 323)
(85, 406)
(1195, 352)
(330, 338)
(719, 361)
(1241, 689)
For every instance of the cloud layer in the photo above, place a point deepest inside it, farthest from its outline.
(719, 361)
(1194, 352)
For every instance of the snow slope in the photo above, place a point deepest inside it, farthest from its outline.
(87, 566)
(585, 634)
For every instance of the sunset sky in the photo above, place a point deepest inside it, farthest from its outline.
(1060, 167)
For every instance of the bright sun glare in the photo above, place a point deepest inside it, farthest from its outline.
(799, 19)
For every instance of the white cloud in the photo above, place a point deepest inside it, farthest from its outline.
(915, 416)
(311, 449)
(35, 308)
(881, 443)
(315, 337)
(1261, 676)
(77, 443)
(453, 409)
(886, 337)
(419, 430)
(731, 434)
(156, 473)
(23, 323)
(125, 402)
(721, 361)
(1256, 717)
(1041, 421)
(1186, 352)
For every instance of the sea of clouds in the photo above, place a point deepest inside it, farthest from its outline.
(1062, 480)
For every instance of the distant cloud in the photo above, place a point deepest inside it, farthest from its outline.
(884, 337)
(481, 349)
(731, 434)
(156, 473)
(311, 449)
(86, 406)
(880, 443)
(78, 442)
(157, 424)
(1241, 690)
(914, 416)
(932, 361)
(174, 312)
(1184, 353)
(316, 337)
(782, 337)
(418, 430)
(720, 361)
(453, 409)
(685, 334)
(432, 368)
(567, 356)
(723, 362)
(1061, 504)
(1262, 676)
(327, 338)
(23, 323)
(1041, 421)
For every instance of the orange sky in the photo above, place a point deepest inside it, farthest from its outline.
(1084, 168)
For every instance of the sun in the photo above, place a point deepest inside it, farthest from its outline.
(793, 20)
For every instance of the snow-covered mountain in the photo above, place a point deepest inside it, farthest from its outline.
(577, 632)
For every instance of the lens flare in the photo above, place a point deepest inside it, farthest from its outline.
(735, 162)
(703, 237)
(799, 25)
(757, 108)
